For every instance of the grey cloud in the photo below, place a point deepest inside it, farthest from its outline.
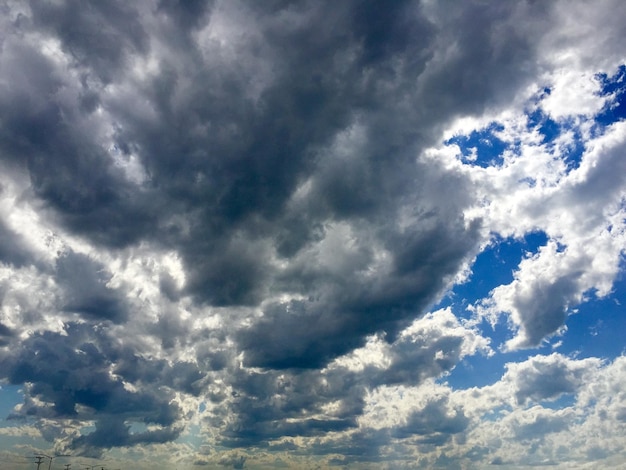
(275, 403)
(362, 445)
(228, 272)
(541, 425)
(547, 377)
(86, 291)
(5, 335)
(45, 131)
(188, 14)
(69, 375)
(434, 422)
(168, 287)
(235, 460)
(546, 310)
(415, 359)
(252, 171)
(99, 36)
(254, 148)
(12, 249)
(113, 432)
(309, 333)
(485, 64)
(183, 376)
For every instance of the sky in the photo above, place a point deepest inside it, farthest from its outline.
(312, 234)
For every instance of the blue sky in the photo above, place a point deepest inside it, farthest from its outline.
(312, 234)
(593, 327)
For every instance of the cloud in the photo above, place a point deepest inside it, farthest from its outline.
(5, 334)
(491, 425)
(86, 291)
(112, 432)
(548, 377)
(309, 402)
(12, 250)
(433, 421)
(240, 220)
(69, 376)
(583, 204)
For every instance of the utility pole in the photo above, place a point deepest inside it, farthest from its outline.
(39, 460)
(67, 466)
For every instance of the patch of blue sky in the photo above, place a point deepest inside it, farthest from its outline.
(496, 413)
(485, 147)
(550, 130)
(493, 267)
(10, 395)
(9, 442)
(545, 125)
(573, 154)
(136, 427)
(480, 370)
(615, 88)
(481, 147)
(192, 436)
(567, 400)
(536, 118)
(596, 329)
(613, 84)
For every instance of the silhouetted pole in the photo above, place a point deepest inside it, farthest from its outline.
(39, 460)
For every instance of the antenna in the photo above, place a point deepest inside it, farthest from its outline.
(40, 456)
(39, 460)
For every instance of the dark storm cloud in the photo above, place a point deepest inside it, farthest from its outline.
(113, 432)
(186, 14)
(12, 250)
(47, 131)
(276, 403)
(309, 333)
(281, 159)
(98, 35)
(86, 291)
(183, 376)
(5, 335)
(68, 376)
(238, 182)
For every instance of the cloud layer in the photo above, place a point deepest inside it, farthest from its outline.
(225, 228)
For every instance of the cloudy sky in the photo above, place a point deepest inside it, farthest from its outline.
(308, 234)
